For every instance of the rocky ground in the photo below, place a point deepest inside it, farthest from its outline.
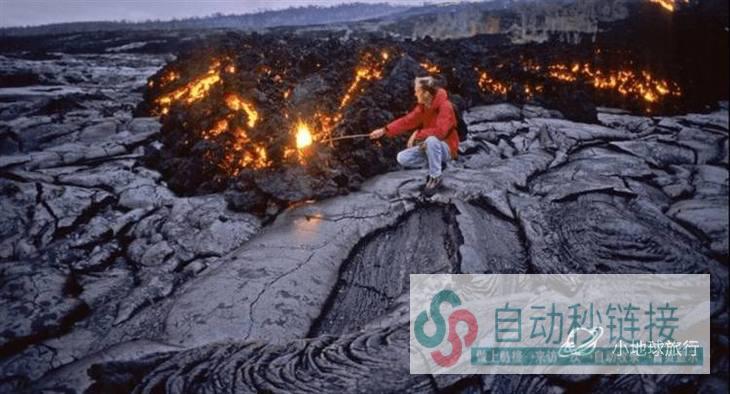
(109, 281)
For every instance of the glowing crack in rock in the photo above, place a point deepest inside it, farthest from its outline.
(191, 92)
(642, 85)
(369, 69)
(669, 5)
(489, 84)
(236, 103)
(430, 68)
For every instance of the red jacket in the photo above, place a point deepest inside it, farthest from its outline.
(437, 120)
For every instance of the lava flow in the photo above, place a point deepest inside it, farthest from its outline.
(249, 111)
(249, 141)
(489, 84)
(669, 5)
(370, 68)
(640, 85)
(190, 92)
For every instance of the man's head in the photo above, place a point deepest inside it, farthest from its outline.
(424, 89)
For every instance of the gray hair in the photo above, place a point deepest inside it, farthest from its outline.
(427, 83)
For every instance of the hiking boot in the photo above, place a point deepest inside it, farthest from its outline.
(428, 179)
(432, 186)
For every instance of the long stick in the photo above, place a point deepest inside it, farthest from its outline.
(346, 137)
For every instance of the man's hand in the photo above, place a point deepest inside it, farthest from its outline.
(377, 133)
(412, 139)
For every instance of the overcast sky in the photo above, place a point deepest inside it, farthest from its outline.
(38, 12)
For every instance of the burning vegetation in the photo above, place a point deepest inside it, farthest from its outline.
(256, 115)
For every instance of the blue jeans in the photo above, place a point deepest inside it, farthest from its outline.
(435, 153)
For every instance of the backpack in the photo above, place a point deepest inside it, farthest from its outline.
(460, 124)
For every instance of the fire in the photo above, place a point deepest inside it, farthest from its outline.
(236, 103)
(304, 136)
(192, 92)
(370, 68)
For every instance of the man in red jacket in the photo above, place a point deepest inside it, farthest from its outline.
(436, 141)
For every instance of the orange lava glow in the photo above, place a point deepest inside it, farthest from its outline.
(489, 84)
(327, 123)
(304, 135)
(172, 76)
(629, 83)
(241, 151)
(369, 69)
(430, 68)
(192, 92)
(220, 126)
(669, 5)
(530, 90)
(244, 154)
(236, 103)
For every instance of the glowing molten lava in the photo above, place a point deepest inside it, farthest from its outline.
(641, 85)
(669, 5)
(430, 68)
(192, 92)
(304, 136)
(638, 85)
(370, 68)
(489, 84)
(236, 103)
(244, 154)
(220, 126)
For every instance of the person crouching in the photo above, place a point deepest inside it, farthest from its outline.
(435, 141)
